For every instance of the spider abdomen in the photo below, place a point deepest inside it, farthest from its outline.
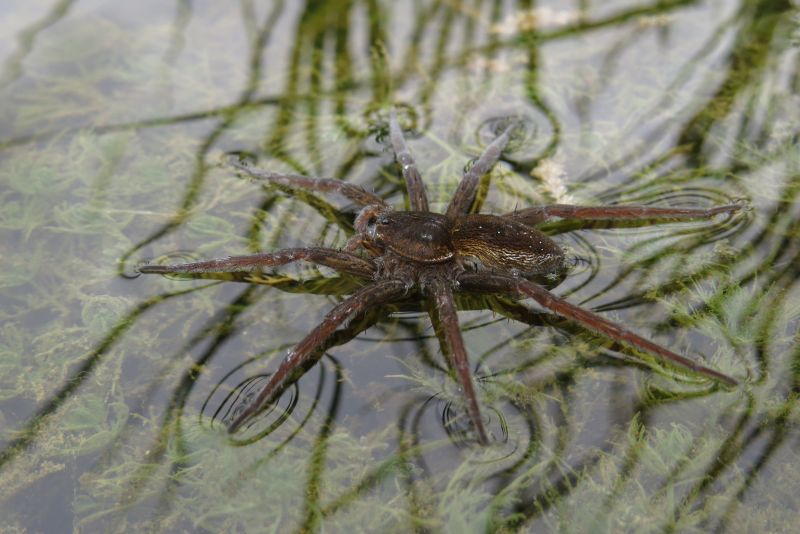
(504, 244)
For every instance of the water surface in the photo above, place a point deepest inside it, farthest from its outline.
(114, 121)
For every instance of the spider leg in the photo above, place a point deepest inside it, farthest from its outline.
(538, 214)
(416, 190)
(445, 308)
(519, 286)
(290, 369)
(465, 192)
(335, 259)
(352, 192)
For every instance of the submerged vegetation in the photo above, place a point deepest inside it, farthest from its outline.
(110, 389)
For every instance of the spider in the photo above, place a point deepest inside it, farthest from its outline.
(435, 256)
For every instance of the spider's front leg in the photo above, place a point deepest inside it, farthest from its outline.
(339, 260)
(352, 192)
(498, 283)
(290, 369)
(416, 190)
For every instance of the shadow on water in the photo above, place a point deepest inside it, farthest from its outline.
(590, 435)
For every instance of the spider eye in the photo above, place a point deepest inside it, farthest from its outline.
(384, 220)
(371, 221)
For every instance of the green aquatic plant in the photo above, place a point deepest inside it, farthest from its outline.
(110, 135)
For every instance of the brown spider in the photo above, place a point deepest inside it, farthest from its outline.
(436, 255)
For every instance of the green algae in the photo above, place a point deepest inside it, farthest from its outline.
(113, 128)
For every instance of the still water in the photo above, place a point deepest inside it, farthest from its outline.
(115, 120)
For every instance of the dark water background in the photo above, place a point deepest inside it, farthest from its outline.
(114, 117)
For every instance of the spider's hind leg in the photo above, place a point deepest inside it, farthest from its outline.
(539, 214)
(451, 339)
(498, 283)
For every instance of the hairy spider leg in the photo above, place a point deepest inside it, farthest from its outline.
(414, 186)
(519, 286)
(538, 214)
(292, 367)
(465, 192)
(335, 259)
(445, 308)
(352, 192)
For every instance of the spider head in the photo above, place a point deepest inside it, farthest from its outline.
(368, 223)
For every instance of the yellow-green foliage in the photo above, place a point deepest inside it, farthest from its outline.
(113, 124)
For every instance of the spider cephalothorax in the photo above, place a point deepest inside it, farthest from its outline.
(438, 255)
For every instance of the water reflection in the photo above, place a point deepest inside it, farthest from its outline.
(108, 410)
